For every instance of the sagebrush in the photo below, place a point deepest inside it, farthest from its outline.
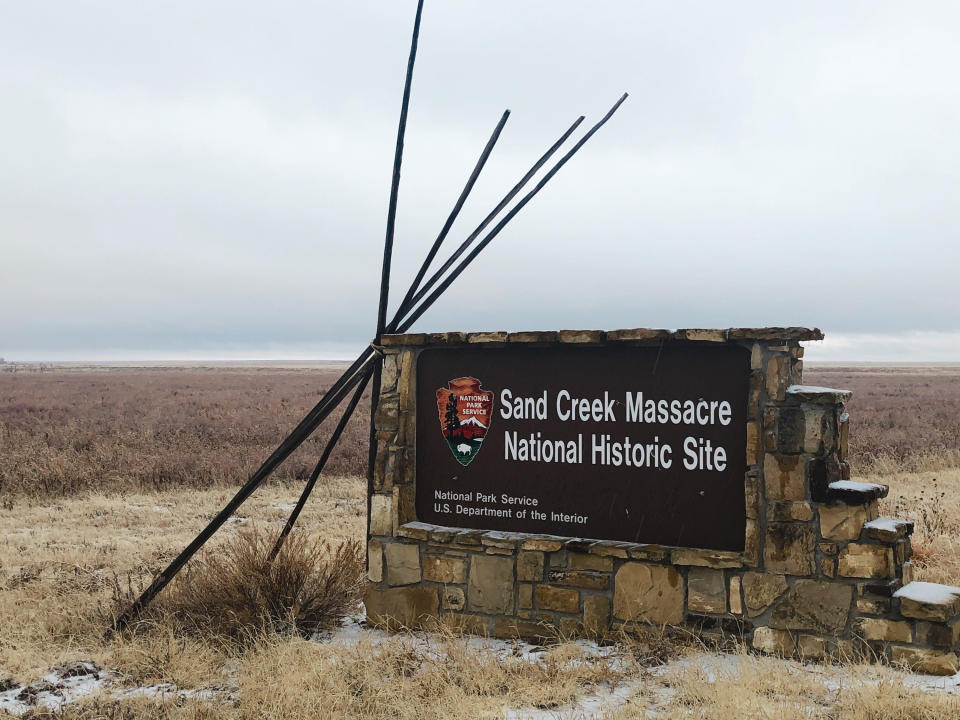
(236, 591)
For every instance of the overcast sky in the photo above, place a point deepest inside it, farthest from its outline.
(210, 179)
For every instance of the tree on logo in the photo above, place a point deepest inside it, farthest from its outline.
(451, 420)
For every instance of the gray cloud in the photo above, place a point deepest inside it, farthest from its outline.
(194, 178)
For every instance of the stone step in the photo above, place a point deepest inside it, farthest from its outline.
(888, 530)
(851, 492)
(929, 601)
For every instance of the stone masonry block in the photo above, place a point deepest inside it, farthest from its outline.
(390, 373)
(789, 548)
(706, 591)
(754, 395)
(784, 477)
(940, 635)
(586, 579)
(374, 560)
(760, 590)
(534, 629)
(828, 566)
(927, 661)
(773, 642)
(843, 435)
(558, 599)
(789, 511)
(381, 514)
(581, 561)
(406, 606)
(407, 432)
(819, 606)
(888, 529)
(885, 630)
(530, 566)
(791, 429)
(754, 443)
(796, 370)
(524, 596)
(706, 558)
(582, 336)
(648, 593)
(448, 570)
(703, 334)
(842, 522)
(596, 614)
(751, 546)
(452, 598)
(403, 563)
(819, 430)
(404, 508)
(929, 601)
(491, 584)
(870, 604)
(387, 415)
(406, 385)
(736, 603)
(811, 647)
(778, 376)
(866, 561)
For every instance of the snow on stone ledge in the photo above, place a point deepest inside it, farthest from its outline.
(928, 593)
(817, 394)
(855, 486)
(885, 525)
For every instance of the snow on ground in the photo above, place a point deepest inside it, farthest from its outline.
(72, 682)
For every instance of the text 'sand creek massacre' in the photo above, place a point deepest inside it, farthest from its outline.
(643, 444)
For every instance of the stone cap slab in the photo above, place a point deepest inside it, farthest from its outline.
(769, 334)
(888, 529)
(819, 395)
(929, 601)
(550, 543)
(851, 492)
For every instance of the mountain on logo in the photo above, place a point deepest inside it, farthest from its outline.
(464, 412)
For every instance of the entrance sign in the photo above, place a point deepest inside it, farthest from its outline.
(644, 444)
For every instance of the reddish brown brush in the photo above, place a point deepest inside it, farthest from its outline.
(902, 418)
(69, 431)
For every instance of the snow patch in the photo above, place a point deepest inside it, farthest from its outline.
(928, 593)
(856, 486)
(815, 390)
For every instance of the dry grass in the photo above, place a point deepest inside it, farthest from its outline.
(58, 561)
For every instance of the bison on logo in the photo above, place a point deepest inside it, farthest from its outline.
(464, 411)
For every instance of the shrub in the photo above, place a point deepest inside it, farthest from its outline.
(235, 592)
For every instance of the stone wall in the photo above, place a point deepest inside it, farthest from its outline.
(821, 574)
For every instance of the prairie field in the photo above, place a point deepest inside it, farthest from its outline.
(107, 473)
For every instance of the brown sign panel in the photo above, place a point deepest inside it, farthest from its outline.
(643, 444)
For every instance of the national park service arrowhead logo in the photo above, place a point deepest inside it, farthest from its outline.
(464, 411)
